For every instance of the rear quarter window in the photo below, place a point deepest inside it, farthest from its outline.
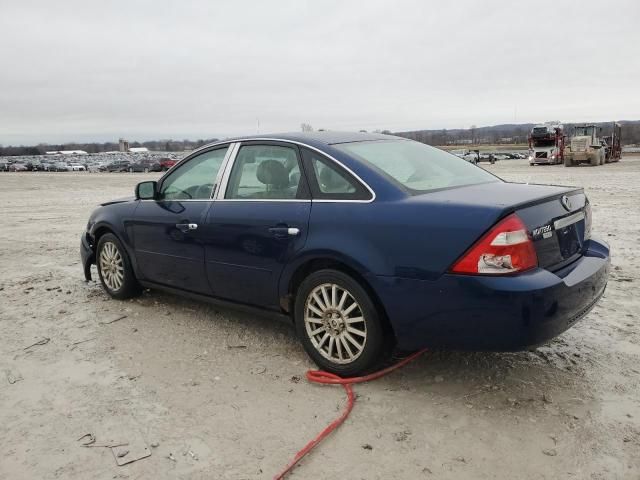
(329, 181)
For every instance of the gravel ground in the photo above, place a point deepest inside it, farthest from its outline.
(218, 394)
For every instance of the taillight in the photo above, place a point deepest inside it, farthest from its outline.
(506, 248)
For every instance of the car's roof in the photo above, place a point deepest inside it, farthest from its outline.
(322, 137)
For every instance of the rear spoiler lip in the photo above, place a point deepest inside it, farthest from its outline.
(530, 203)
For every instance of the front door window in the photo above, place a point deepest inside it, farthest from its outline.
(195, 179)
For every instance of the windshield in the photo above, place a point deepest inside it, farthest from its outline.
(583, 131)
(416, 166)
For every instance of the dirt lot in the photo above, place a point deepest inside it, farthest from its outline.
(223, 394)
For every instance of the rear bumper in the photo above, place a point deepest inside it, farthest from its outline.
(86, 255)
(492, 313)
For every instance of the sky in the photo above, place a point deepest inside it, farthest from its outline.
(142, 70)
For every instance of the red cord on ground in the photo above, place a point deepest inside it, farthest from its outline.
(318, 376)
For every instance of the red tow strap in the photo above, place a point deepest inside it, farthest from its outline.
(318, 376)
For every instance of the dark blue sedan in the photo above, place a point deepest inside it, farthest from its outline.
(365, 242)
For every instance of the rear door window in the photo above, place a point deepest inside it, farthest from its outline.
(266, 172)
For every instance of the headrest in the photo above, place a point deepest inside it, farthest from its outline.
(272, 172)
(333, 180)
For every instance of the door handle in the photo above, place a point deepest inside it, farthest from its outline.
(185, 227)
(282, 232)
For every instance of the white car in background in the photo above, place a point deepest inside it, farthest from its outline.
(77, 167)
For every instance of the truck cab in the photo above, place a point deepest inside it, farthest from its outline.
(546, 144)
(585, 146)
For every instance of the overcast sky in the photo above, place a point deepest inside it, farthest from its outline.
(86, 70)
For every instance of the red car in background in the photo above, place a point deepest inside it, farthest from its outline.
(167, 163)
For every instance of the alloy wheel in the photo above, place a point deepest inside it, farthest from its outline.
(335, 323)
(111, 266)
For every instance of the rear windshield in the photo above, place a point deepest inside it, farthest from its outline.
(417, 167)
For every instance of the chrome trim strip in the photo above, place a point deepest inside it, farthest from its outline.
(224, 181)
(194, 153)
(231, 152)
(181, 200)
(223, 186)
(289, 200)
(234, 147)
(566, 221)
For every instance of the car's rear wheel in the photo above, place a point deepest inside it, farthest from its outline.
(338, 323)
(114, 268)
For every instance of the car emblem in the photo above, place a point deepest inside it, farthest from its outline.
(566, 203)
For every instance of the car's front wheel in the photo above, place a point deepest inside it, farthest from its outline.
(114, 268)
(338, 323)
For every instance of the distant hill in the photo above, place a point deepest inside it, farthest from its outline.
(509, 134)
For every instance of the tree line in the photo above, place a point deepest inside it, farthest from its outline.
(497, 134)
(510, 134)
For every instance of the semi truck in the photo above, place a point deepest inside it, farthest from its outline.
(585, 146)
(546, 144)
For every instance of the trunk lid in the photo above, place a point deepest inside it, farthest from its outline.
(558, 231)
(559, 227)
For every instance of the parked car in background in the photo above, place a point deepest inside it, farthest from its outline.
(47, 166)
(60, 167)
(94, 167)
(18, 167)
(77, 167)
(363, 241)
(37, 166)
(167, 163)
(118, 166)
(146, 165)
(4, 166)
(487, 157)
(472, 156)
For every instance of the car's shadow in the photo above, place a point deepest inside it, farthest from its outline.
(467, 376)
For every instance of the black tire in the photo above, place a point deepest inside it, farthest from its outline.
(129, 284)
(373, 350)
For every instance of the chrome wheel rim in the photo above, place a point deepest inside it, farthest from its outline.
(111, 266)
(335, 323)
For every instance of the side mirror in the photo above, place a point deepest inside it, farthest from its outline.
(146, 190)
